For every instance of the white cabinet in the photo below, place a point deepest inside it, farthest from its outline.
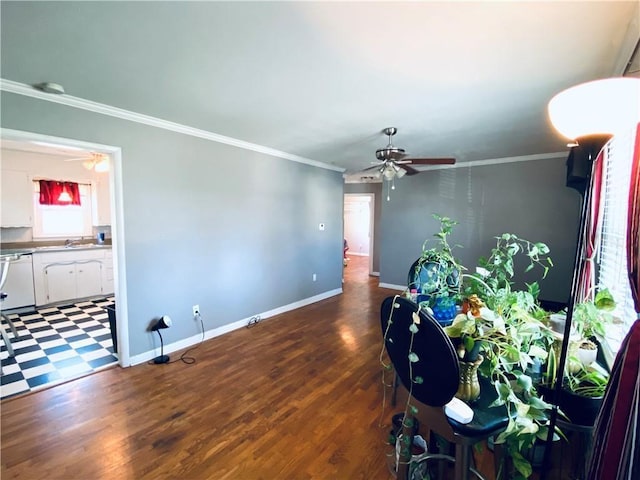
(101, 202)
(107, 273)
(65, 281)
(19, 284)
(60, 282)
(17, 199)
(88, 279)
(68, 275)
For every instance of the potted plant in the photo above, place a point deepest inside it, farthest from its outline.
(434, 278)
(507, 326)
(584, 380)
(582, 391)
(500, 330)
(590, 319)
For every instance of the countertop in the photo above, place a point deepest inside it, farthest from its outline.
(51, 248)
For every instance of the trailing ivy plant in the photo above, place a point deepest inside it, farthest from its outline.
(410, 409)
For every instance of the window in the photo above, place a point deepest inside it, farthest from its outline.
(56, 221)
(613, 247)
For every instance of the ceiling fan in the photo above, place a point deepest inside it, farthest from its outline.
(393, 161)
(95, 161)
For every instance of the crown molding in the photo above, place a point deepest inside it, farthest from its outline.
(102, 109)
(358, 178)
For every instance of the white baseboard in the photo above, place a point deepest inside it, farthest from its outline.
(392, 286)
(357, 254)
(375, 274)
(216, 332)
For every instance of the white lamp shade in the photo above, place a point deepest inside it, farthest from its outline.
(606, 106)
(389, 173)
(401, 172)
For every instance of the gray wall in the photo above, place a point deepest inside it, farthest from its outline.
(376, 189)
(528, 199)
(232, 230)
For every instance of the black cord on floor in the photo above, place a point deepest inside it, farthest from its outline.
(253, 321)
(191, 360)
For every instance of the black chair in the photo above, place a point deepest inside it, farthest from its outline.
(438, 366)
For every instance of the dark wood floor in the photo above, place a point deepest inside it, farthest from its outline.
(298, 396)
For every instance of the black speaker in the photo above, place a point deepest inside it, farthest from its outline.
(581, 158)
(578, 170)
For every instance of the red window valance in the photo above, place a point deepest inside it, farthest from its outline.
(53, 193)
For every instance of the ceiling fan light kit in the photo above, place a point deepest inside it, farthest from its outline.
(97, 161)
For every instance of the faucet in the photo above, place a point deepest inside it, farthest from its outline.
(70, 243)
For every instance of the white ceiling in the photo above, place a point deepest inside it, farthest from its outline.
(321, 80)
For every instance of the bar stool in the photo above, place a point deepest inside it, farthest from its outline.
(5, 261)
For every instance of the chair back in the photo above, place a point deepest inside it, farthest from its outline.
(436, 364)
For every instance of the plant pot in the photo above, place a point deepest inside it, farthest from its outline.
(444, 310)
(587, 355)
(469, 387)
(580, 410)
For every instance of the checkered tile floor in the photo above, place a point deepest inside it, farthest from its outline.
(56, 344)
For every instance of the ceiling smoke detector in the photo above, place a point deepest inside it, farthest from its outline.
(49, 87)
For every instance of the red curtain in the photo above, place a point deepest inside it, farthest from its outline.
(50, 192)
(616, 450)
(587, 282)
(633, 224)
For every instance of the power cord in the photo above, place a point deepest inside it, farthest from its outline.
(253, 321)
(191, 360)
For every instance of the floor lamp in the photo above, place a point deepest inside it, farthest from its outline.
(588, 115)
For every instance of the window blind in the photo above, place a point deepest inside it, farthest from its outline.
(613, 236)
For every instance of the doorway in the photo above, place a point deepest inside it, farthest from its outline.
(111, 183)
(359, 226)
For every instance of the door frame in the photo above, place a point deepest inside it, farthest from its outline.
(117, 227)
(372, 209)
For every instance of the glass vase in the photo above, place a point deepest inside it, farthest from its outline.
(469, 387)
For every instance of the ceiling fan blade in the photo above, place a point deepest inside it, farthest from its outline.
(409, 170)
(375, 167)
(432, 161)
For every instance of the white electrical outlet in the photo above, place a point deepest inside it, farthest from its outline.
(314, 277)
(196, 310)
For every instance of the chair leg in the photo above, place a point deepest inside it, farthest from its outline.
(11, 325)
(7, 342)
(394, 393)
(463, 455)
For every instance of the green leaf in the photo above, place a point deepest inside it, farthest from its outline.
(419, 380)
(525, 382)
(413, 328)
(521, 464)
(469, 343)
(413, 409)
(413, 358)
